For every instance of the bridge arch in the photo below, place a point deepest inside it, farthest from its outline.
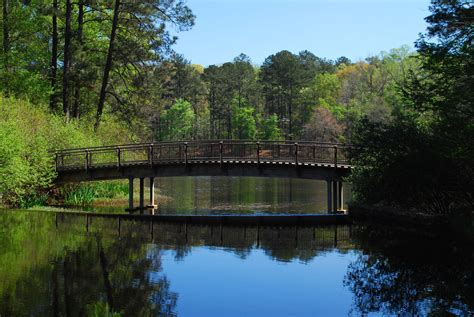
(289, 159)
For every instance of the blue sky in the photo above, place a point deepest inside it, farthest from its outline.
(328, 28)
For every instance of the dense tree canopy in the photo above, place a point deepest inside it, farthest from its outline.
(90, 59)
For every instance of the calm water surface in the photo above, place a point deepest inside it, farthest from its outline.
(250, 195)
(176, 270)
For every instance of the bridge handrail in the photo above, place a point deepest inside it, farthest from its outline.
(296, 152)
(227, 141)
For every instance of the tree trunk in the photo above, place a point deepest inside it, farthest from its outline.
(77, 82)
(55, 282)
(105, 274)
(290, 114)
(68, 304)
(54, 57)
(6, 31)
(67, 58)
(6, 42)
(108, 66)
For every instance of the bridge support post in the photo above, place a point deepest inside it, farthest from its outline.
(130, 194)
(340, 195)
(151, 204)
(329, 191)
(142, 194)
(335, 193)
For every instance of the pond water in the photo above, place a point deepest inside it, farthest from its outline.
(227, 195)
(56, 267)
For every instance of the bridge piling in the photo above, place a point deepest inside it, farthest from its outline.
(335, 191)
(142, 194)
(130, 194)
(329, 192)
(151, 204)
(340, 194)
(335, 198)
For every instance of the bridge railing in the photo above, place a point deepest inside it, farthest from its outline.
(212, 151)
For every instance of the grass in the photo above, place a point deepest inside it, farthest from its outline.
(38, 199)
(103, 194)
(85, 194)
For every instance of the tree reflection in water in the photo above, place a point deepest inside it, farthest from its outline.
(411, 277)
(76, 268)
(116, 272)
(46, 271)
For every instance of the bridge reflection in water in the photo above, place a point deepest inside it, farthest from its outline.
(184, 234)
(309, 160)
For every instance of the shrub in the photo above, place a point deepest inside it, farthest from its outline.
(28, 134)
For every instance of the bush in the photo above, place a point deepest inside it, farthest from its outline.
(28, 135)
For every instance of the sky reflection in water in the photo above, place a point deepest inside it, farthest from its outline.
(212, 282)
(215, 271)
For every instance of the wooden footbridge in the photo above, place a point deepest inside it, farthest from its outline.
(310, 160)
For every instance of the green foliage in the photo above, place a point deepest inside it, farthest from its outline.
(51, 55)
(26, 240)
(25, 60)
(38, 257)
(244, 125)
(402, 164)
(424, 158)
(85, 194)
(80, 196)
(283, 75)
(25, 164)
(179, 121)
(269, 129)
(156, 94)
(101, 309)
(147, 78)
(231, 83)
(27, 135)
(110, 189)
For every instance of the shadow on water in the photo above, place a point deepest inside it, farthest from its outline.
(72, 267)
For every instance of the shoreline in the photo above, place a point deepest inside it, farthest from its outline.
(413, 222)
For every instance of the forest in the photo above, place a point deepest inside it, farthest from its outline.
(105, 72)
(94, 59)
